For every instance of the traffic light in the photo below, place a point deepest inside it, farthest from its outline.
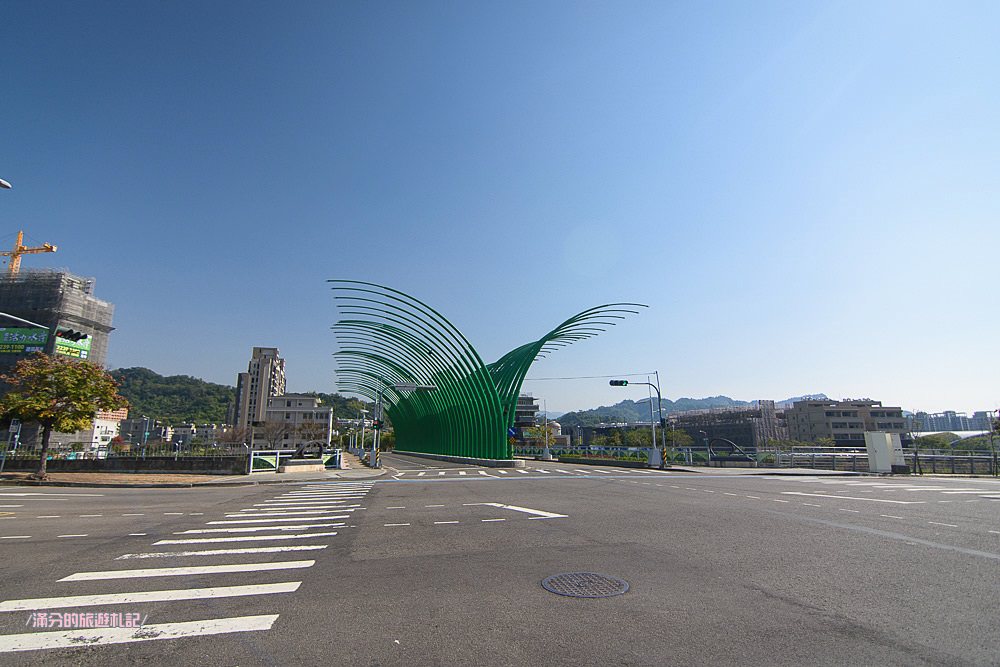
(71, 334)
(619, 383)
(376, 424)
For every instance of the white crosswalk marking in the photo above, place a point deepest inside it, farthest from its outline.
(254, 529)
(148, 596)
(223, 552)
(190, 570)
(33, 641)
(275, 520)
(250, 538)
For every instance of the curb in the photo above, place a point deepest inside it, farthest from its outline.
(176, 485)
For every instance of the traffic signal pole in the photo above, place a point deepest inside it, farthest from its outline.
(659, 408)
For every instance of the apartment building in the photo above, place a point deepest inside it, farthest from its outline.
(264, 378)
(844, 421)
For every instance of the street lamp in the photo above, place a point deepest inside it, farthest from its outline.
(403, 388)
(361, 445)
(4, 184)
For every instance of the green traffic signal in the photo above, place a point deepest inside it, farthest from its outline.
(619, 383)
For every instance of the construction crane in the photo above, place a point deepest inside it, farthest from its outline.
(20, 249)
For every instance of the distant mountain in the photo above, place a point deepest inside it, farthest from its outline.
(633, 411)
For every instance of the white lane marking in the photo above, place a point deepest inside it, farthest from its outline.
(15, 537)
(672, 486)
(133, 514)
(891, 516)
(73, 535)
(395, 524)
(871, 500)
(71, 495)
(433, 505)
(280, 510)
(846, 510)
(34, 641)
(49, 516)
(462, 472)
(705, 490)
(583, 472)
(188, 570)
(438, 523)
(644, 472)
(686, 488)
(775, 500)
(965, 491)
(997, 532)
(937, 523)
(277, 520)
(397, 507)
(754, 497)
(195, 513)
(281, 503)
(254, 529)
(89, 516)
(603, 472)
(811, 505)
(148, 596)
(309, 514)
(223, 552)
(173, 514)
(544, 472)
(526, 510)
(502, 472)
(11, 506)
(421, 474)
(726, 493)
(490, 520)
(524, 472)
(565, 472)
(484, 473)
(441, 473)
(137, 534)
(248, 538)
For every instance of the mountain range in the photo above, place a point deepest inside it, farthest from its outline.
(634, 411)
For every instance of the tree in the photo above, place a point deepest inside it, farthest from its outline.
(275, 433)
(60, 395)
(313, 432)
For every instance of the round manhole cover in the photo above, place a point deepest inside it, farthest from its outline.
(584, 585)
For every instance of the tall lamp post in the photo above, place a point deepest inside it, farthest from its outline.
(401, 387)
(361, 445)
(659, 409)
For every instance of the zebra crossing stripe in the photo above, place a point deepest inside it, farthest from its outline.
(253, 529)
(184, 571)
(250, 538)
(148, 596)
(279, 519)
(34, 641)
(223, 552)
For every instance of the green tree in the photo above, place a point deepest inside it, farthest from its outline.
(60, 395)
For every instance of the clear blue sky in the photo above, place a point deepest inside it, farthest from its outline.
(806, 194)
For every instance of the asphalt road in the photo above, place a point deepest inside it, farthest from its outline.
(439, 564)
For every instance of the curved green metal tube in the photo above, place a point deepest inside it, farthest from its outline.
(389, 337)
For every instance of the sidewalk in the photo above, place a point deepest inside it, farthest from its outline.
(353, 469)
(792, 472)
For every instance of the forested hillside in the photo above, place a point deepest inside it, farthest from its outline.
(177, 399)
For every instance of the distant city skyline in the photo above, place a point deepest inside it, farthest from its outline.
(785, 185)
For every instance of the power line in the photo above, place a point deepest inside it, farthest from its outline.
(591, 377)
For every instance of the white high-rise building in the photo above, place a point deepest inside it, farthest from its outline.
(265, 377)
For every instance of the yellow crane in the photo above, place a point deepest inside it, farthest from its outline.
(20, 249)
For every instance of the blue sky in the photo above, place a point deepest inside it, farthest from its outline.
(806, 194)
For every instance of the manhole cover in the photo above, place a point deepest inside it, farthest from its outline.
(584, 585)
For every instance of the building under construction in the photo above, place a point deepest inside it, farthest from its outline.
(70, 320)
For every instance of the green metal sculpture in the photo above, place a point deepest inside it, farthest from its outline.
(389, 341)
